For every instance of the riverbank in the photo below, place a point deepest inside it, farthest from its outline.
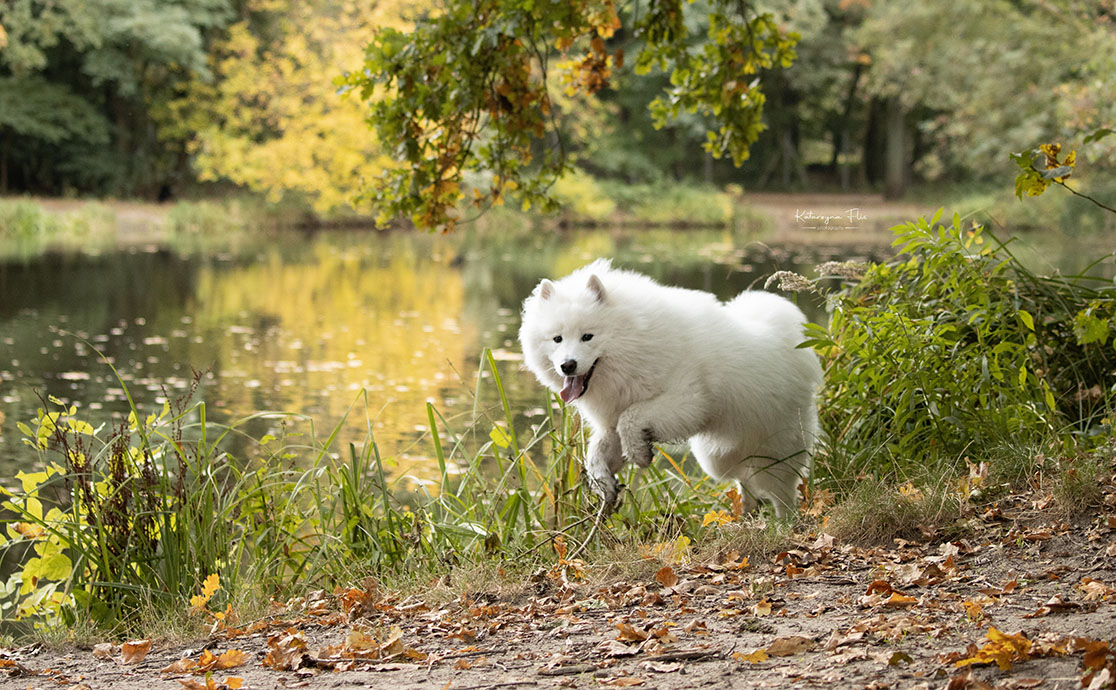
(791, 218)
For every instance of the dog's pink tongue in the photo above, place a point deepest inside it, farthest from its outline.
(573, 388)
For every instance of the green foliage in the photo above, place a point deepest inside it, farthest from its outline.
(465, 95)
(584, 200)
(720, 78)
(956, 346)
(83, 88)
(26, 228)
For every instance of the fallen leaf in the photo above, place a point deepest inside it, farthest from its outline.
(899, 658)
(1100, 680)
(630, 634)
(104, 650)
(134, 651)
(1054, 605)
(230, 659)
(616, 648)
(666, 576)
(897, 600)
(1002, 649)
(788, 646)
(752, 657)
(180, 666)
(762, 608)
(661, 666)
(1095, 590)
(285, 650)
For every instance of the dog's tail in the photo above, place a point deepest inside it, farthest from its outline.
(780, 315)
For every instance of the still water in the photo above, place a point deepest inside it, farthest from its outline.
(304, 324)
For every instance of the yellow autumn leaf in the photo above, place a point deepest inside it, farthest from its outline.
(1002, 649)
(718, 516)
(898, 600)
(972, 608)
(231, 659)
(753, 657)
(209, 588)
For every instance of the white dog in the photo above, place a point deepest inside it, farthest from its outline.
(646, 363)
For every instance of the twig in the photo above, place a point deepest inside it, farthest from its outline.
(686, 655)
(567, 670)
(557, 533)
(1086, 196)
(592, 532)
(499, 685)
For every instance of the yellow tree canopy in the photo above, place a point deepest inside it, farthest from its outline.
(276, 122)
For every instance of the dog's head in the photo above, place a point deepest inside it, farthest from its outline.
(564, 332)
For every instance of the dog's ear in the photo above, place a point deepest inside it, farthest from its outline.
(545, 289)
(596, 287)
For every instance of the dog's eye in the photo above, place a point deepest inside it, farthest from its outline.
(586, 337)
(557, 338)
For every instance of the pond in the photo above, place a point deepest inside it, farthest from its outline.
(305, 323)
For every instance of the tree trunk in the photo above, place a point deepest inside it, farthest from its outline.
(4, 145)
(895, 168)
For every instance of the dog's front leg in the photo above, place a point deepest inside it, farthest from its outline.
(662, 419)
(602, 463)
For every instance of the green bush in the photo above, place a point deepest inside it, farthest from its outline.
(955, 347)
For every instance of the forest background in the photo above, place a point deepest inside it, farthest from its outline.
(193, 98)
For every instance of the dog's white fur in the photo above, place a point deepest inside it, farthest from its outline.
(668, 364)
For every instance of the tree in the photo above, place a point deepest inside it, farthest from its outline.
(464, 96)
(973, 79)
(111, 64)
(275, 122)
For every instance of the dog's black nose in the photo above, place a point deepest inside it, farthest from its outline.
(569, 367)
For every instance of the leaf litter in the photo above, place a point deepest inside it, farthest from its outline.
(1021, 601)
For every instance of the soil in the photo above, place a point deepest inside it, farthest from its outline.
(1022, 601)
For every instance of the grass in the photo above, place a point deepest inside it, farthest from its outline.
(26, 228)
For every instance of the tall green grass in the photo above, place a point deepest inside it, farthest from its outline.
(952, 351)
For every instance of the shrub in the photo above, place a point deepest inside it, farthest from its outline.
(956, 346)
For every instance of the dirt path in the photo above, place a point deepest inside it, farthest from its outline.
(1019, 603)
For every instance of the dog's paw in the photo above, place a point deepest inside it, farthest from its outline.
(607, 488)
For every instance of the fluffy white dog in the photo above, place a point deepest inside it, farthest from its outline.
(647, 363)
